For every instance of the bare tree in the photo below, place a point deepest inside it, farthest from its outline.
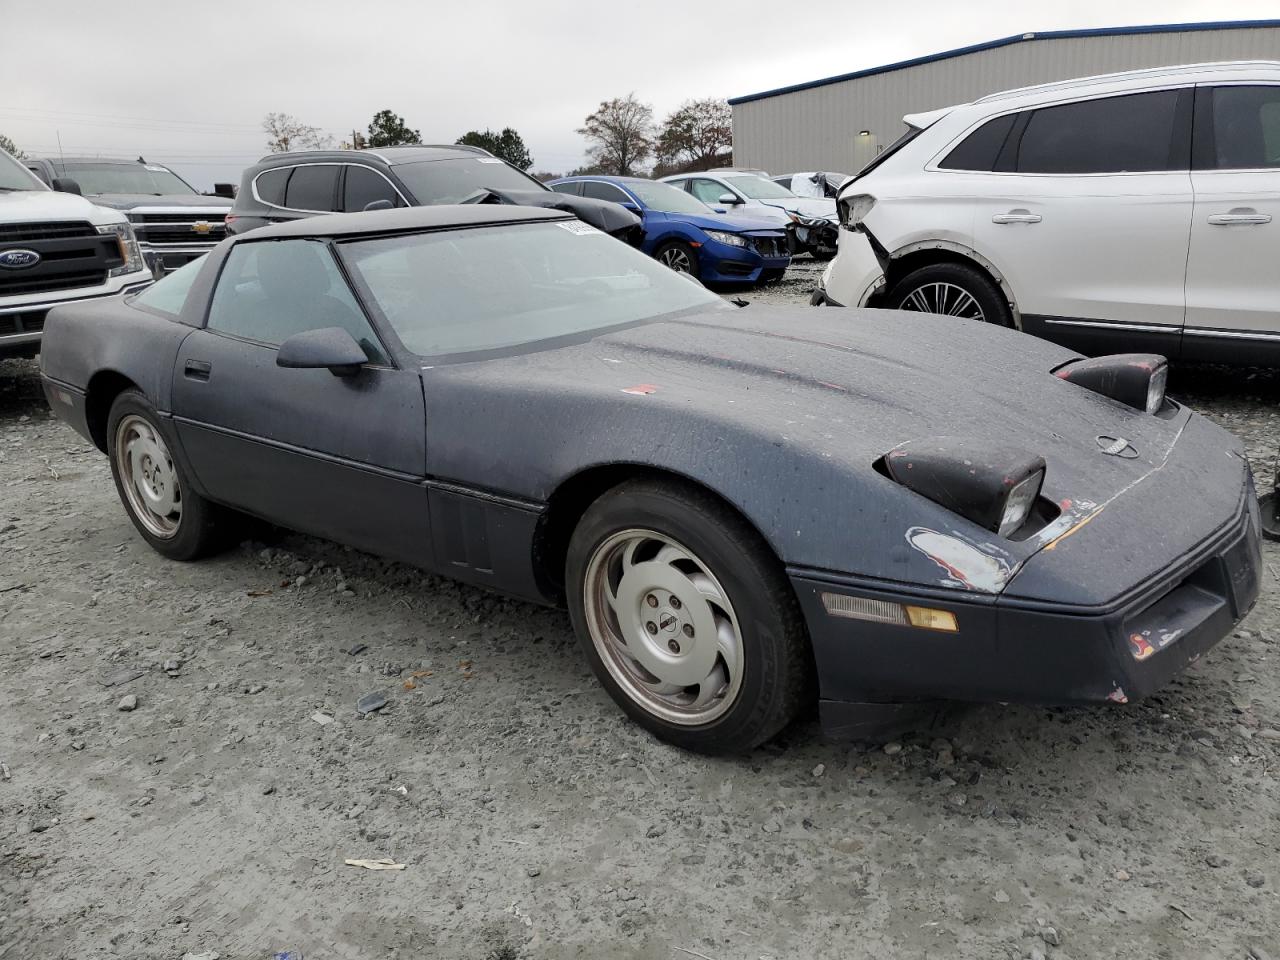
(696, 134)
(285, 133)
(620, 133)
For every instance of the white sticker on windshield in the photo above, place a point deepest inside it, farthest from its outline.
(156, 169)
(576, 226)
(488, 160)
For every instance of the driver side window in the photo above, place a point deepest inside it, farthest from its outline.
(270, 290)
(708, 191)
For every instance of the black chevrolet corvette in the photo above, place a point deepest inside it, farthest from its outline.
(744, 509)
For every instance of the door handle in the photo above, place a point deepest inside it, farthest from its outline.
(1243, 215)
(1017, 216)
(197, 370)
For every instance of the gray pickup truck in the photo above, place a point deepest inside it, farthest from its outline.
(173, 221)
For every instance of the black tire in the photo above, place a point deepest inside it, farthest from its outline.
(680, 252)
(987, 296)
(822, 255)
(202, 527)
(1269, 507)
(776, 661)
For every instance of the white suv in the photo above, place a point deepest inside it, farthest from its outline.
(1136, 211)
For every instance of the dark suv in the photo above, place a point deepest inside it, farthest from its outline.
(290, 186)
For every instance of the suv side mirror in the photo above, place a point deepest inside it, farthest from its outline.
(66, 185)
(331, 347)
(729, 199)
(227, 190)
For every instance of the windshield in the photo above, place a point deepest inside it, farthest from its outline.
(466, 292)
(125, 178)
(758, 188)
(452, 181)
(14, 176)
(667, 199)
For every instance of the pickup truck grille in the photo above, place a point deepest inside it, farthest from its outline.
(160, 229)
(18, 285)
(26, 232)
(30, 322)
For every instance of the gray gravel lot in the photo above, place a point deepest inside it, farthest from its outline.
(533, 821)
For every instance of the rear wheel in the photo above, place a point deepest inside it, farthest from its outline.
(153, 486)
(679, 256)
(686, 617)
(951, 290)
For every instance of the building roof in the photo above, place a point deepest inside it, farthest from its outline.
(1007, 41)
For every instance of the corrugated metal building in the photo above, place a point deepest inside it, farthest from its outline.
(841, 122)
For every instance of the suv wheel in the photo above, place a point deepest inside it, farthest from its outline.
(952, 290)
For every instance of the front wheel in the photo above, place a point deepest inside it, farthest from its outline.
(686, 617)
(153, 486)
(679, 256)
(952, 290)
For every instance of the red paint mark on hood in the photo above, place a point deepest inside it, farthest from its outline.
(641, 389)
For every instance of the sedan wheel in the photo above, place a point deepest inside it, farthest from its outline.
(687, 617)
(678, 257)
(663, 626)
(148, 477)
(152, 484)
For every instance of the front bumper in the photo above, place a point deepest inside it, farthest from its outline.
(724, 263)
(22, 324)
(1015, 650)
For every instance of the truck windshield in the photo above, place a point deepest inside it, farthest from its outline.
(147, 178)
(14, 176)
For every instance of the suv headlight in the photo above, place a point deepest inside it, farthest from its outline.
(853, 209)
(129, 252)
(732, 239)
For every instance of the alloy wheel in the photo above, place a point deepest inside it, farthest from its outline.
(677, 259)
(148, 477)
(663, 626)
(946, 299)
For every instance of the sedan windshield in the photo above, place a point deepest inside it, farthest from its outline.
(468, 292)
(14, 176)
(125, 178)
(452, 181)
(667, 199)
(758, 188)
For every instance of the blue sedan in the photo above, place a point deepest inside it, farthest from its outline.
(687, 235)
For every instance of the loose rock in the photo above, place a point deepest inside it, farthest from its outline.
(127, 703)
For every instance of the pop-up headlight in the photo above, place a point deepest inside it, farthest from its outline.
(1134, 379)
(996, 487)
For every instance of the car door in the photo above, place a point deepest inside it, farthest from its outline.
(1087, 216)
(1233, 287)
(342, 457)
(710, 191)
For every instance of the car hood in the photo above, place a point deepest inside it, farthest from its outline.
(34, 205)
(805, 206)
(716, 222)
(130, 201)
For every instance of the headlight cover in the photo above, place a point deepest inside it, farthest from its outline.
(129, 252)
(1135, 379)
(853, 209)
(732, 239)
(995, 487)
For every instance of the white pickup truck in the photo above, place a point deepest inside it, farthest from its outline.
(56, 248)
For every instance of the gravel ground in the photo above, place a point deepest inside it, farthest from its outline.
(533, 821)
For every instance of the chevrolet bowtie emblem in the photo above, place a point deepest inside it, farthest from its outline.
(202, 226)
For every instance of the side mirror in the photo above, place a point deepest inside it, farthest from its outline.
(729, 200)
(66, 185)
(383, 204)
(633, 207)
(227, 190)
(330, 347)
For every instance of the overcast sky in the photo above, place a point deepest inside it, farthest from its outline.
(187, 83)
